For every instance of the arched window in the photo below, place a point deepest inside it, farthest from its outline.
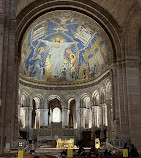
(56, 115)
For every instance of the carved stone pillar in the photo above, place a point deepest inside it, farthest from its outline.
(30, 117)
(45, 117)
(87, 117)
(43, 114)
(101, 122)
(2, 19)
(78, 120)
(109, 119)
(22, 116)
(95, 113)
(93, 122)
(82, 117)
(64, 117)
(26, 109)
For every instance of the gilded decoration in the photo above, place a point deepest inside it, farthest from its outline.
(64, 46)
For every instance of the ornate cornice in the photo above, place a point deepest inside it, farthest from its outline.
(81, 82)
(126, 64)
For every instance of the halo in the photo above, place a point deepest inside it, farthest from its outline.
(61, 38)
(41, 49)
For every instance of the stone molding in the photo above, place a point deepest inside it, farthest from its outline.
(22, 5)
(62, 87)
(127, 64)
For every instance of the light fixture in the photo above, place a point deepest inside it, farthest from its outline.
(20, 143)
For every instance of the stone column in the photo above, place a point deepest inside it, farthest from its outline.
(30, 117)
(82, 117)
(133, 111)
(78, 121)
(38, 118)
(87, 117)
(120, 103)
(106, 112)
(2, 19)
(93, 122)
(95, 108)
(64, 117)
(109, 120)
(78, 118)
(68, 119)
(29, 122)
(101, 122)
(26, 110)
(45, 118)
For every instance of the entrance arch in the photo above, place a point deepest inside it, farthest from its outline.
(109, 31)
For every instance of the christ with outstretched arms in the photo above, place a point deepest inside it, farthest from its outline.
(56, 53)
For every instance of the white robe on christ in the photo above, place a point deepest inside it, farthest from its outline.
(56, 53)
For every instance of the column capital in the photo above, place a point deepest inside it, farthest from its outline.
(45, 104)
(64, 108)
(108, 101)
(81, 108)
(101, 104)
(95, 105)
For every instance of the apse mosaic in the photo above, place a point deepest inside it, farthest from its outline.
(64, 46)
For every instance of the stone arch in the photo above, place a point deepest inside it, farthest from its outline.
(72, 112)
(86, 106)
(102, 94)
(95, 97)
(37, 8)
(53, 97)
(26, 94)
(108, 90)
(38, 98)
(83, 98)
(25, 100)
(24, 90)
(73, 94)
(55, 108)
(22, 112)
(69, 101)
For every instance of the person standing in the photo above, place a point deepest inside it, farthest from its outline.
(133, 152)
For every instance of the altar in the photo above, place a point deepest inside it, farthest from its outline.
(65, 143)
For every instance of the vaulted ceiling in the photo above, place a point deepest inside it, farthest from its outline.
(118, 9)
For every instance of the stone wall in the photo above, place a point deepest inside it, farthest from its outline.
(122, 21)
